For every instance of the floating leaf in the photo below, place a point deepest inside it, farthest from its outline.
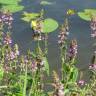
(91, 11)
(49, 25)
(9, 1)
(84, 16)
(13, 8)
(87, 14)
(46, 3)
(29, 16)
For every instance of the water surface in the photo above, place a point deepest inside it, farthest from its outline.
(22, 33)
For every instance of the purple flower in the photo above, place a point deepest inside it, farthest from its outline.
(62, 36)
(12, 55)
(93, 27)
(34, 66)
(7, 40)
(64, 32)
(6, 18)
(72, 49)
(92, 66)
(81, 82)
(93, 34)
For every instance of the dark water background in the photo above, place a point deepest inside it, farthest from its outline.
(22, 33)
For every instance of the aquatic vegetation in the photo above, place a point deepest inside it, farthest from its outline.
(46, 3)
(87, 14)
(70, 12)
(11, 5)
(24, 74)
(48, 24)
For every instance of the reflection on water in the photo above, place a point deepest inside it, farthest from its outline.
(22, 33)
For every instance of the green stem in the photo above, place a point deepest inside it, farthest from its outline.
(25, 81)
(63, 61)
(46, 44)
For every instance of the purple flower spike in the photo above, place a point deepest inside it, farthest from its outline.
(64, 32)
(34, 66)
(73, 49)
(93, 27)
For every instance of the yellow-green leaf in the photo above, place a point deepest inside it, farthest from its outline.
(13, 8)
(9, 1)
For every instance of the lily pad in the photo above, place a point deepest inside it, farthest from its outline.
(29, 16)
(46, 3)
(9, 1)
(84, 16)
(13, 8)
(49, 25)
(87, 14)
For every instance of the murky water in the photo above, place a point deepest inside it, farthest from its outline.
(22, 33)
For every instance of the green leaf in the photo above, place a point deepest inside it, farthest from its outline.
(66, 91)
(49, 25)
(1, 73)
(84, 16)
(46, 65)
(29, 16)
(74, 74)
(9, 1)
(25, 82)
(13, 8)
(46, 3)
(87, 14)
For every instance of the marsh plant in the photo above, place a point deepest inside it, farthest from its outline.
(23, 75)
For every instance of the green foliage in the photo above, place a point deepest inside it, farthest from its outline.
(74, 74)
(29, 16)
(13, 8)
(46, 3)
(11, 5)
(9, 2)
(1, 73)
(49, 25)
(87, 14)
(46, 65)
(25, 82)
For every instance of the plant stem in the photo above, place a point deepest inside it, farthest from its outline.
(46, 44)
(25, 81)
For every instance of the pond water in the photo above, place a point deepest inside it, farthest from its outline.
(22, 33)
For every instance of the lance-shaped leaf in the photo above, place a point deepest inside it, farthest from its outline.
(74, 74)
(1, 73)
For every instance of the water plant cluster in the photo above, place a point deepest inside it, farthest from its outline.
(24, 74)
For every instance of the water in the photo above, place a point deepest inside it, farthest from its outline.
(22, 33)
